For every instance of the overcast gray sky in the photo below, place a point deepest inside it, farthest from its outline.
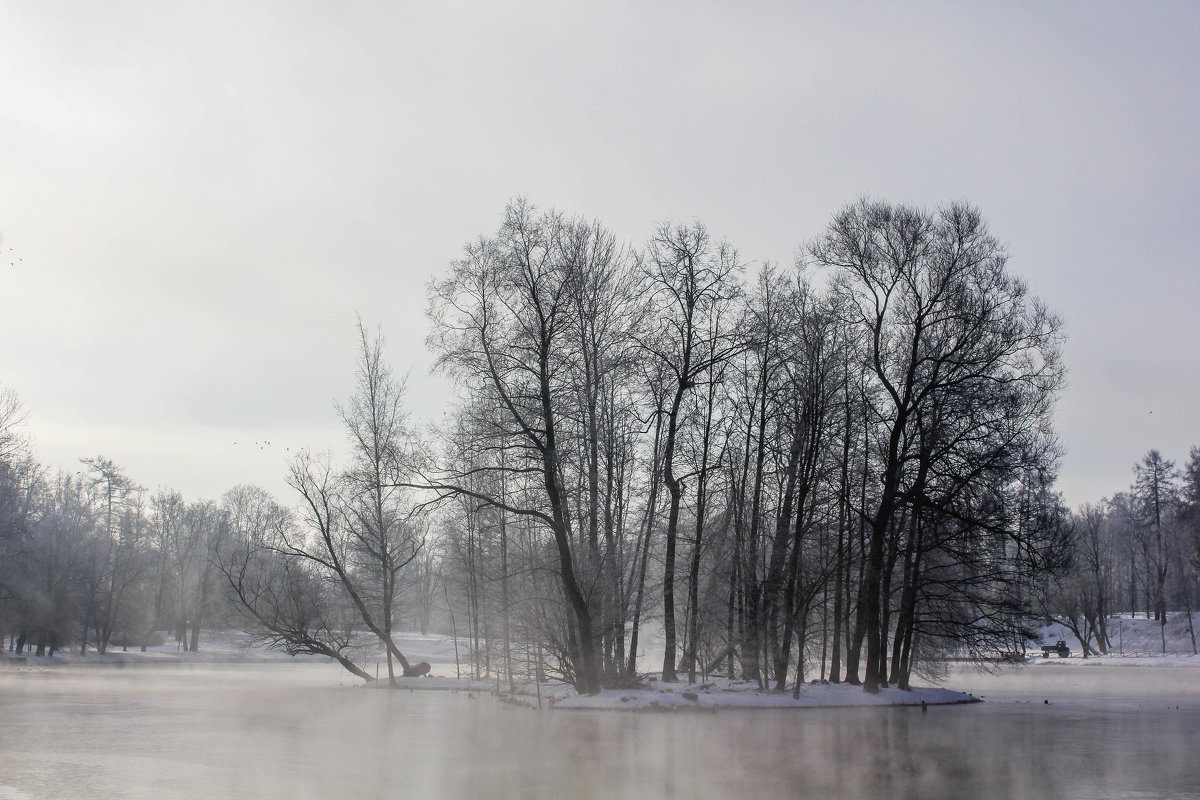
(196, 198)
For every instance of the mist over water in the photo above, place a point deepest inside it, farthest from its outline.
(300, 731)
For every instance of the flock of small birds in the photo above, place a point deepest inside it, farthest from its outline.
(263, 445)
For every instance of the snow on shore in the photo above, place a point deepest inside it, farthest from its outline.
(218, 648)
(1117, 660)
(221, 649)
(724, 693)
(236, 647)
(1134, 642)
(1138, 637)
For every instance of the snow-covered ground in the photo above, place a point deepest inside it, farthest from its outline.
(234, 646)
(724, 693)
(439, 651)
(1136, 641)
(214, 648)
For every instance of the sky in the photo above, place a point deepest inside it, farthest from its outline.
(197, 199)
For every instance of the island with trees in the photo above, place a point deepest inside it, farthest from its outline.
(842, 471)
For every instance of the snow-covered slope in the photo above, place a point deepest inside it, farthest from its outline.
(1133, 640)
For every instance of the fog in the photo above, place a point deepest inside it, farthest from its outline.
(299, 730)
(182, 184)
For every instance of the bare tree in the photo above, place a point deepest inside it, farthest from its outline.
(1155, 495)
(281, 601)
(360, 531)
(383, 540)
(112, 491)
(20, 476)
(506, 318)
(1076, 595)
(691, 280)
(940, 319)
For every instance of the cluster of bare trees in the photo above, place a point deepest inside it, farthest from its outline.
(309, 581)
(1136, 552)
(847, 464)
(842, 469)
(91, 559)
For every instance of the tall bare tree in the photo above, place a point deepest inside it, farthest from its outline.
(520, 317)
(940, 318)
(358, 519)
(692, 280)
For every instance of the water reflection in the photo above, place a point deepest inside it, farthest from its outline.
(291, 731)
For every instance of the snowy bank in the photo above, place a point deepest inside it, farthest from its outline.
(1117, 660)
(234, 647)
(723, 693)
(214, 649)
(1133, 642)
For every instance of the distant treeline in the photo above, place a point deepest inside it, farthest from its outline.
(1136, 552)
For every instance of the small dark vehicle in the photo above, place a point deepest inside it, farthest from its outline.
(1059, 647)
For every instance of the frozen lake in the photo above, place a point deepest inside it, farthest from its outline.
(299, 730)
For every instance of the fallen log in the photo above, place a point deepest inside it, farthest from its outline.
(416, 670)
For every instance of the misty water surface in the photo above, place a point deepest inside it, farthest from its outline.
(301, 731)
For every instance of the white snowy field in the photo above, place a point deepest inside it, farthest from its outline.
(439, 651)
(234, 646)
(1140, 645)
(724, 693)
(1135, 641)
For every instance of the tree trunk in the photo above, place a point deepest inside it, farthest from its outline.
(651, 504)
(835, 664)
(694, 570)
(675, 492)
